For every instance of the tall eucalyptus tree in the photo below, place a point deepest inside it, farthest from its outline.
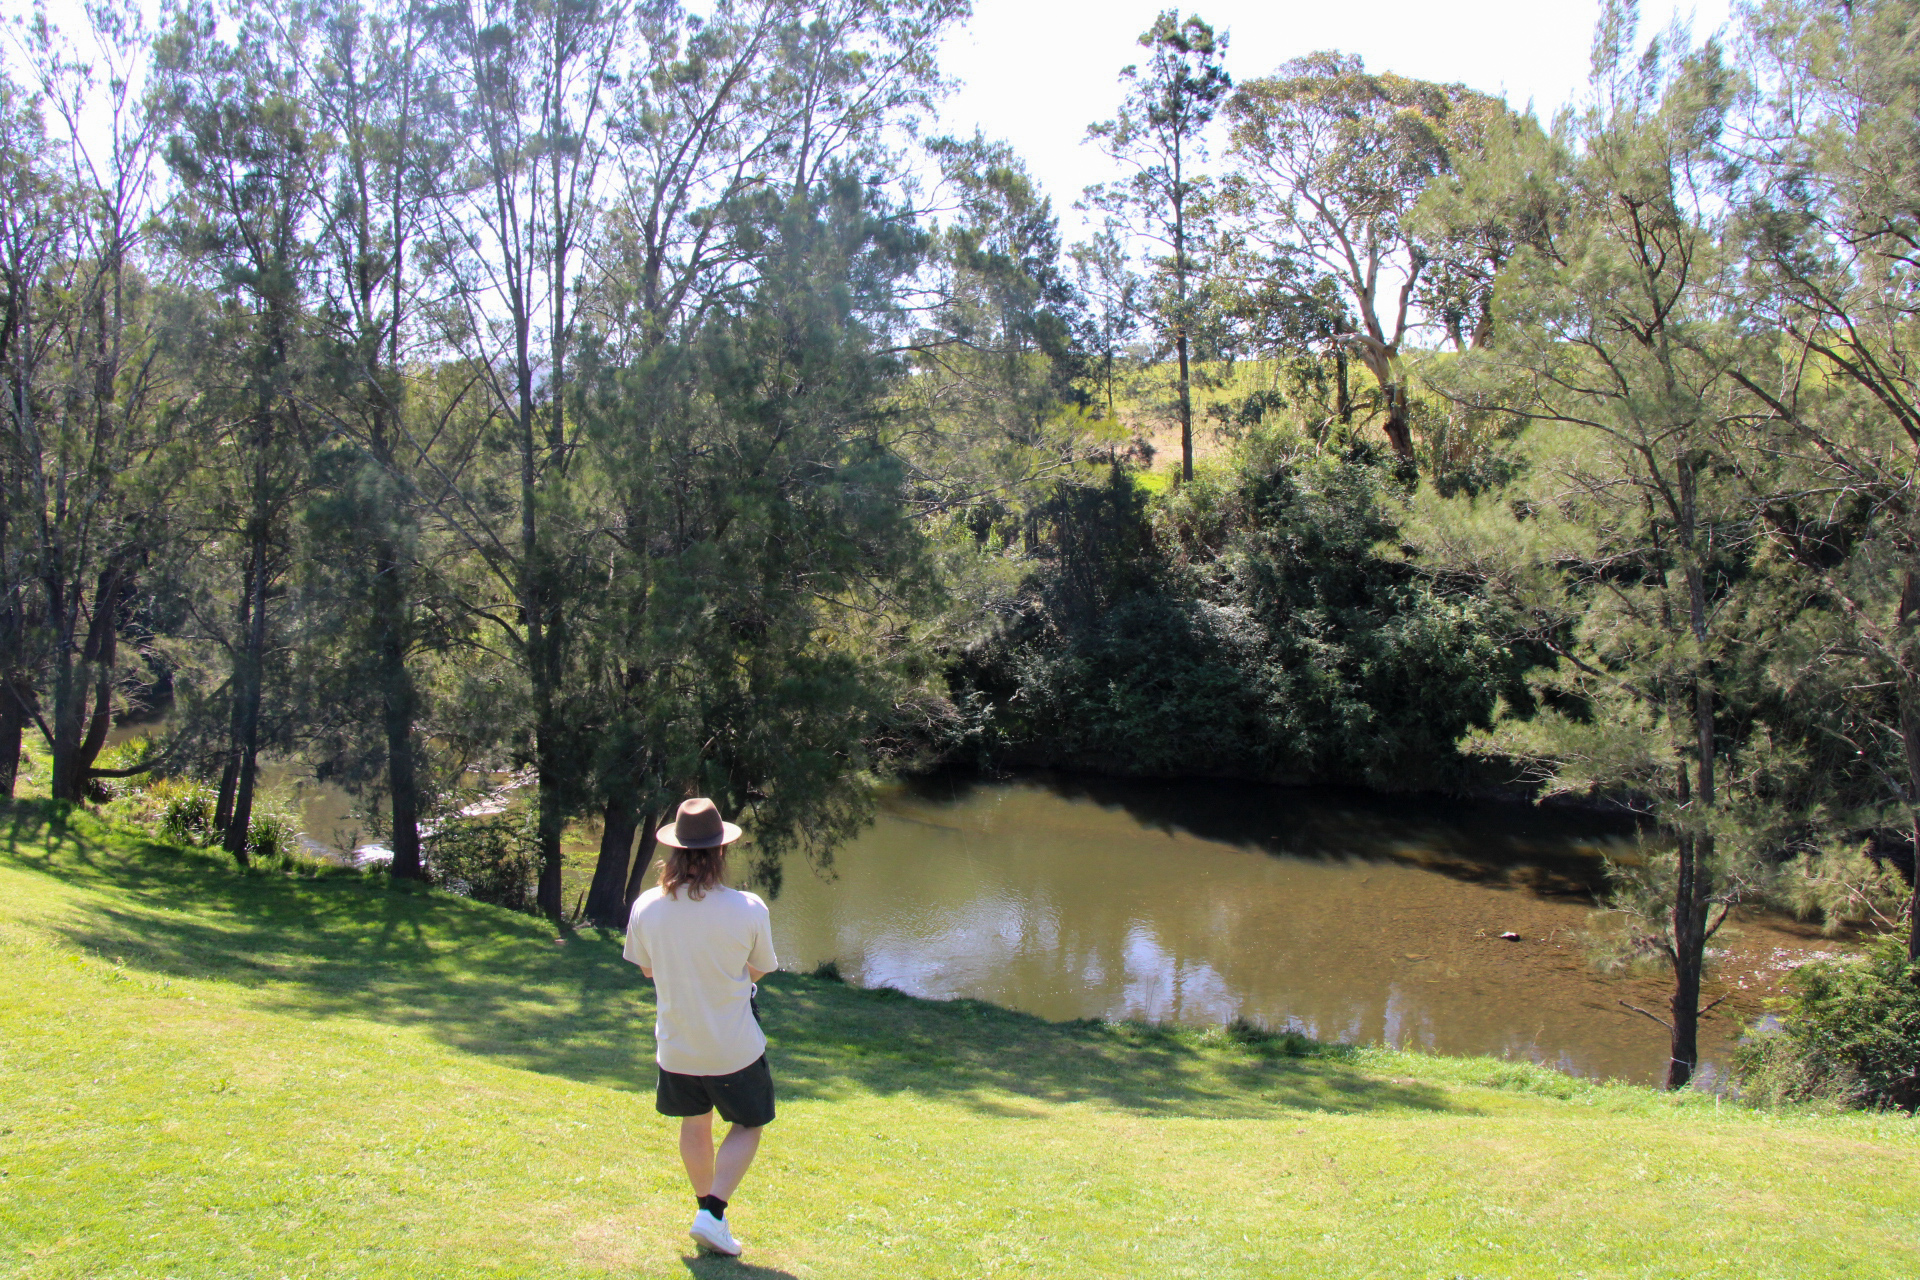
(241, 151)
(1159, 134)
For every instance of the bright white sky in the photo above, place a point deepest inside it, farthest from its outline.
(1038, 72)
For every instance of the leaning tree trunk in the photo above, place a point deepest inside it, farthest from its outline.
(606, 899)
(83, 696)
(642, 858)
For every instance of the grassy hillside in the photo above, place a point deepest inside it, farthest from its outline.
(204, 1073)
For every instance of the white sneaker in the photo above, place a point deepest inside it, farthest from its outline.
(714, 1234)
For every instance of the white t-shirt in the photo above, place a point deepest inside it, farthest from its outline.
(700, 951)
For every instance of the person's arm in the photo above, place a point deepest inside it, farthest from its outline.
(760, 958)
(646, 972)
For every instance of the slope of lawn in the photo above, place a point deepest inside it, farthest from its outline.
(205, 1073)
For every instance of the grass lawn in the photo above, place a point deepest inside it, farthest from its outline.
(204, 1073)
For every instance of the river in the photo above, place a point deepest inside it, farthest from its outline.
(1345, 915)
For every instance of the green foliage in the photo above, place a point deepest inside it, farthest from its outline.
(1849, 1033)
(488, 857)
(186, 810)
(1248, 623)
(273, 835)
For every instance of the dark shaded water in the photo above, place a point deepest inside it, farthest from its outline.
(1348, 916)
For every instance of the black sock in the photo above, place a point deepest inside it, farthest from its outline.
(713, 1205)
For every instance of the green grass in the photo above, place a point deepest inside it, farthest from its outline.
(204, 1073)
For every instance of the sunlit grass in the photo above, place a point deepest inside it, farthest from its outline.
(209, 1073)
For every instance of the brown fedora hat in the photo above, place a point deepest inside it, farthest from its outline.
(697, 826)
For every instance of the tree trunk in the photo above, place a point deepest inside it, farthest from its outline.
(79, 733)
(1399, 434)
(397, 703)
(642, 858)
(1186, 407)
(241, 820)
(13, 724)
(606, 900)
(1342, 394)
(1689, 947)
(1910, 740)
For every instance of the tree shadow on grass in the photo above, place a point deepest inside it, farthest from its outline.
(507, 987)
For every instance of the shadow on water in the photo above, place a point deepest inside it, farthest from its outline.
(501, 986)
(1555, 852)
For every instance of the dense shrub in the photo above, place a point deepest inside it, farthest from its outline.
(272, 835)
(1849, 1032)
(491, 857)
(1255, 622)
(186, 810)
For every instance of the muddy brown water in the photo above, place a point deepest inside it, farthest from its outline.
(1347, 916)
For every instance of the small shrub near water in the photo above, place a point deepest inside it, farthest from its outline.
(186, 810)
(1848, 1034)
(490, 858)
(273, 835)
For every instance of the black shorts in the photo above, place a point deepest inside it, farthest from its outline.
(744, 1097)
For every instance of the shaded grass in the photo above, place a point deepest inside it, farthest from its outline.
(204, 1072)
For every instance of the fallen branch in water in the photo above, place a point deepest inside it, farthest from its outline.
(1643, 1013)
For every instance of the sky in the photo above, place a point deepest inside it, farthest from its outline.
(1037, 72)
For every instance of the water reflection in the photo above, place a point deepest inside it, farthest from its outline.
(1348, 917)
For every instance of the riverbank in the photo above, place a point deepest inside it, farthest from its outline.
(209, 1073)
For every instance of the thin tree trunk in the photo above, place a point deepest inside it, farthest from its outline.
(1186, 408)
(397, 699)
(1689, 945)
(1342, 393)
(642, 858)
(1694, 889)
(1910, 740)
(606, 899)
(238, 825)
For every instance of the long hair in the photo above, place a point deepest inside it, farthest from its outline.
(697, 869)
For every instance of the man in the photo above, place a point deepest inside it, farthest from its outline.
(705, 945)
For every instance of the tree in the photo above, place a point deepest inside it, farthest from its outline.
(535, 82)
(1635, 556)
(728, 132)
(241, 152)
(1158, 133)
(1831, 210)
(370, 77)
(1107, 281)
(1331, 160)
(86, 499)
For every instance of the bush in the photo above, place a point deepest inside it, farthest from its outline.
(490, 858)
(272, 835)
(1848, 1033)
(186, 810)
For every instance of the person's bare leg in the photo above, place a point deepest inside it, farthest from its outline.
(730, 1165)
(696, 1152)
